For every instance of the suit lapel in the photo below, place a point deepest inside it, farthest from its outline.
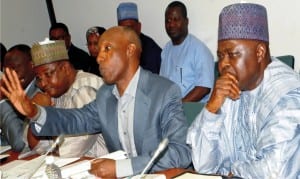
(141, 111)
(112, 121)
(32, 89)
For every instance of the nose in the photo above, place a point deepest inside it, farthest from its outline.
(99, 58)
(42, 83)
(223, 64)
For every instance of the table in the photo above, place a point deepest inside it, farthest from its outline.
(14, 156)
(169, 173)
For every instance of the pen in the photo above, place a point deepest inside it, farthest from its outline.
(180, 75)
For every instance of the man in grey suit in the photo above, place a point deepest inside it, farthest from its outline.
(11, 121)
(134, 110)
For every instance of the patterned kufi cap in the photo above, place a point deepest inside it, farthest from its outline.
(243, 21)
(48, 51)
(127, 10)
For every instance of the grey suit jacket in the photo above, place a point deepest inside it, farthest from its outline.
(158, 114)
(12, 123)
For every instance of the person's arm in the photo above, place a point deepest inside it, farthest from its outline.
(196, 94)
(78, 120)
(42, 99)
(204, 135)
(207, 142)
(11, 124)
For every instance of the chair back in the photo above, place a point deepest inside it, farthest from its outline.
(287, 59)
(191, 110)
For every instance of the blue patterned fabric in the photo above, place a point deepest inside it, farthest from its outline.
(257, 136)
(243, 21)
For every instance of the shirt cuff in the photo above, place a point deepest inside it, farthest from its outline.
(124, 168)
(39, 119)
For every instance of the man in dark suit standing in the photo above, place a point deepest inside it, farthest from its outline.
(134, 110)
(78, 58)
(128, 16)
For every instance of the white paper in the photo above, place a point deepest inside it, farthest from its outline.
(149, 176)
(197, 176)
(2, 156)
(35, 167)
(4, 148)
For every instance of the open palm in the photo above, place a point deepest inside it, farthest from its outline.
(13, 90)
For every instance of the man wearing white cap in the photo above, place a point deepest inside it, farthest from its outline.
(250, 125)
(68, 88)
(128, 16)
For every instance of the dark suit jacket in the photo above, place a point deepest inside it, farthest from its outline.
(151, 54)
(158, 114)
(12, 123)
(79, 58)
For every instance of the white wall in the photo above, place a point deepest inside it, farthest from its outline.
(26, 21)
(23, 22)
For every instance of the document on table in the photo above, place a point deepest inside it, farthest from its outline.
(34, 167)
(197, 176)
(4, 148)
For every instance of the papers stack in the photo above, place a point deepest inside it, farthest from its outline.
(35, 168)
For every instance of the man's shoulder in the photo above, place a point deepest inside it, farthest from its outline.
(77, 51)
(148, 41)
(84, 79)
(154, 80)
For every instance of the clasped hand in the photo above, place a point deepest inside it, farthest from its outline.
(225, 86)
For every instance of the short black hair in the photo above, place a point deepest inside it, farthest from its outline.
(22, 48)
(180, 5)
(59, 25)
(2, 52)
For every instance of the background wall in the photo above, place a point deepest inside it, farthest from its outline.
(27, 21)
(23, 21)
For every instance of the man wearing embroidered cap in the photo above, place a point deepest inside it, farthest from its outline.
(127, 15)
(68, 88)
(250, 125)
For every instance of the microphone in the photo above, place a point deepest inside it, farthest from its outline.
(161, 147)
(58, 141)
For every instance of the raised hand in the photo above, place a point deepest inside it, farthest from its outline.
(226, 87)
(15, 93)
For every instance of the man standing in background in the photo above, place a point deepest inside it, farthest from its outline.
(185, 59)
(78, 58)
(128, 16)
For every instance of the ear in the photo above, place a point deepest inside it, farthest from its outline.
(31, 64)
(131, 48)
(261, 51)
